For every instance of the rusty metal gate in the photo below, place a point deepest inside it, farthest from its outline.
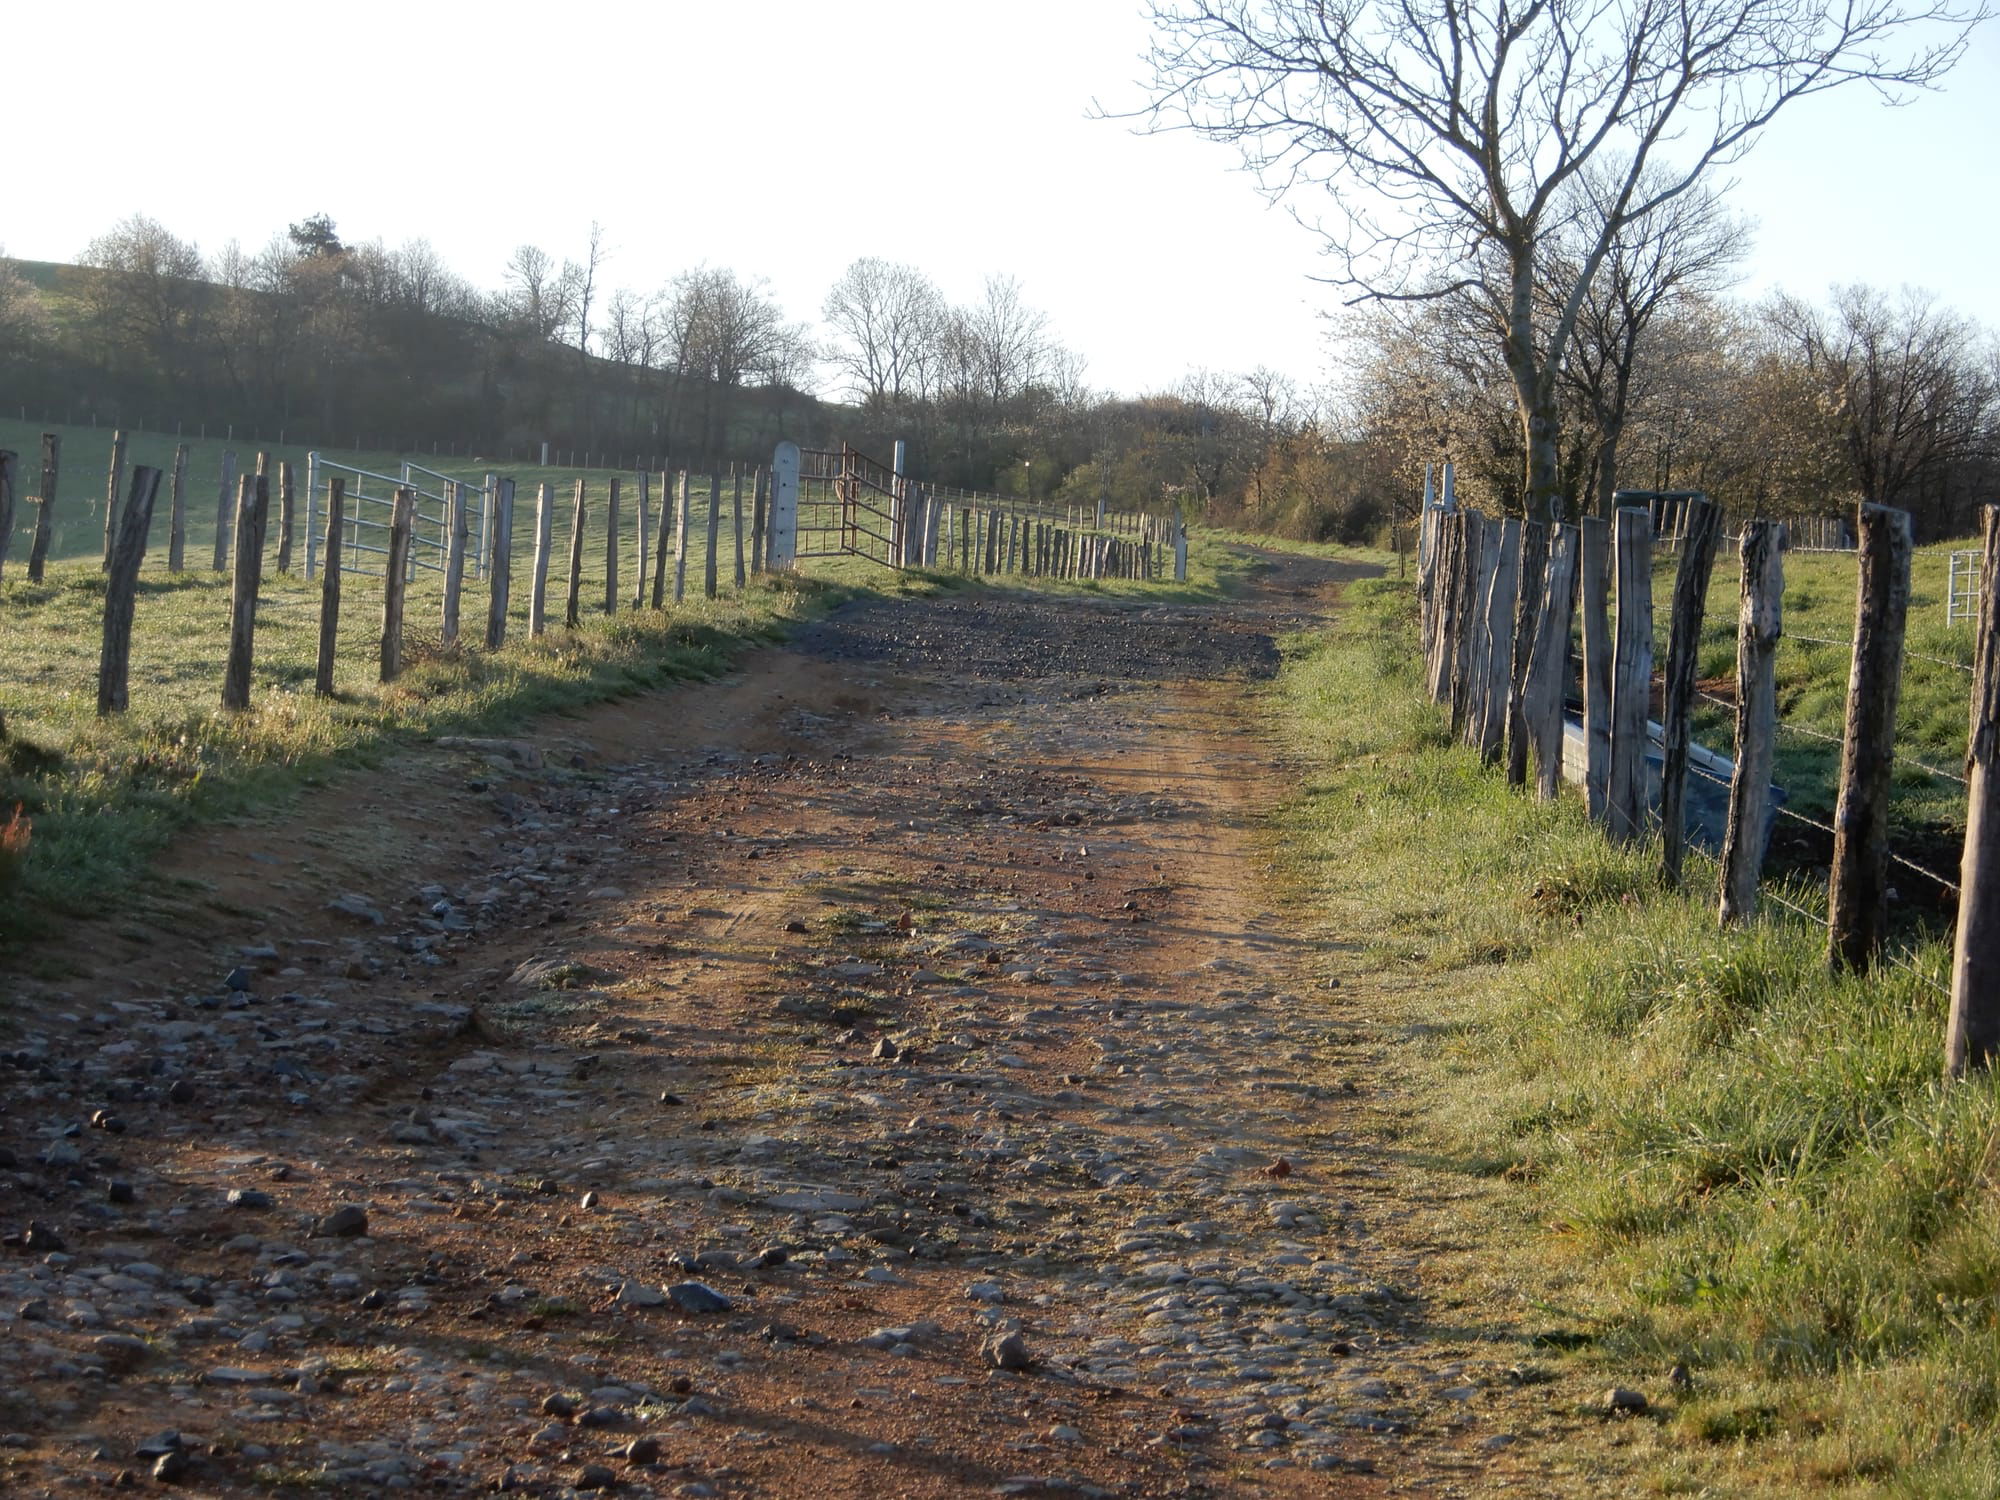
(850, 505)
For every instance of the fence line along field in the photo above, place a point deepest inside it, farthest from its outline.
(1497, 600)
(123, 688)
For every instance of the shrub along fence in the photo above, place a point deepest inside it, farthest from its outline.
(1504, 605)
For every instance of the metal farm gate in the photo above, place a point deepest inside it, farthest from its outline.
(850, 505)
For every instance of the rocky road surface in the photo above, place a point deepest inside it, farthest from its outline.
(879, 1074)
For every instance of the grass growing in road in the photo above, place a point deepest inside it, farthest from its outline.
(1753, 1161)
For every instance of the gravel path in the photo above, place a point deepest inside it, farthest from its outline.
(879, 1075)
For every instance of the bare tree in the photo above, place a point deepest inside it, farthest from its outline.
(885, 317)
(152, 292)
(1010, 339)
(1688, 246)
(536, 293)
(1908, 386)
(1447, 133)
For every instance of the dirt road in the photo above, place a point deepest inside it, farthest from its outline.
(878, 1074)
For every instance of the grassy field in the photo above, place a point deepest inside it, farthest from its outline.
(104, 794)
(1724, 1156)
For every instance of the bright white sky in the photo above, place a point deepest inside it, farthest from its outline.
(784, 139)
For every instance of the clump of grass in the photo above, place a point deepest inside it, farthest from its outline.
(1756, 1155)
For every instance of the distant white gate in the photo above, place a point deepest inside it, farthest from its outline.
(369, 500)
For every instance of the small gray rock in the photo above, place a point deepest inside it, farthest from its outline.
(1009, 1352)
(594, 1477)
(252, 1198)
(345, 1222)
(697, 1297)
(1618, 1401)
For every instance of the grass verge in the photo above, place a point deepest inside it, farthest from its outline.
(1752, 1161)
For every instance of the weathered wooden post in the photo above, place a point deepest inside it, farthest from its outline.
(611, 549)
(1700, 524)
(1497, 635)
(1180, 549)
(455, 533)
(224, 495)
(1527, 609)
(253, 504)
(500, 563)
(538, 585)
(1858, 888)
(114, 486)
(395, 581)
(287, 520)
(1593, 567)
(641, 514)
(45, 505)
(1631, 675)
(714, 531)
(121, 587)
(9, 467)
(736, 473)
(784, 507)
(683, 514)
(1759, 620)
(1468, 697)
(663, 535)
(1973, 1037)
(571, 608)
(177, 511)
(329, 587)
(1548, 662)
(758, 500)
(1446, 551)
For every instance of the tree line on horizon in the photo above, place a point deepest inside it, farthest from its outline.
(1781, 407)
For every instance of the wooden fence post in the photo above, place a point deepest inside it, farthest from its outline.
(500, 563)
(455, 531)
(225, 493)
(642, 514)
(1700, 528)
(682, 516)
(1446, 620)
(121, 587)
(113, 487)
(253, 504)
(1548, 662)
(611, 550)
(38, 550)
(572, 616)
(1180, 549)
(9, 467)
(1471, 683)
(538, 585)
(1496, 661)
(737, 502)
(287, 519)
(396, 581)
(714, 530)
(329, 587)
(663, 539)
(1593, 560)
(1858, 889)
(1631, 675)
(1973, 1036)
(1527, 610)
(177, 512)
(757, 502)
(1759, 619)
